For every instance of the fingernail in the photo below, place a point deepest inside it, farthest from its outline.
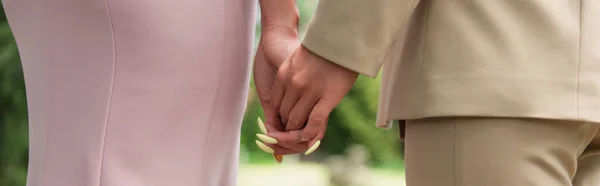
(261, 126)
(303, 139)
(264, 147)
(313, 148)
(278, 158)
(266, 139)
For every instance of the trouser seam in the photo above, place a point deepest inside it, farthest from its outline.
(454, 151)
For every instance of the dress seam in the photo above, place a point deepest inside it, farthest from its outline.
(46, 138)
(206, 136)
(112, 88)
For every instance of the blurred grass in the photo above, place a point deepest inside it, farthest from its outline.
(306, 174)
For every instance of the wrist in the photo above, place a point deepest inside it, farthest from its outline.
(279, 31)
(285, 25)
(310, 55)
(279, 15)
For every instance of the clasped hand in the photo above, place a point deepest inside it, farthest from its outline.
(297, 89)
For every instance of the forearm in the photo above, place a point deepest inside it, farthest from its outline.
(279, 14)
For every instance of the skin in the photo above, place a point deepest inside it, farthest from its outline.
(308, 87)
(279, 38)
(297, 88)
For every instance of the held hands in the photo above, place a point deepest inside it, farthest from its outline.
(302, 94)
(276, 44)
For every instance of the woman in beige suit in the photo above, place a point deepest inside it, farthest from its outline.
(139, 93)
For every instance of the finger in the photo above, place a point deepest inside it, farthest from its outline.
(264, 78)
(273, 123)
(312, 148)
(278, 158)
(261, 126)
(317, 121)
(291, 96)
(299, 114)
(299, 147)
(271, 117)
(266, 139)
(315, 142)
(289, 141)
(290, 137)
(277, 149)
(264, 147)
(319, 137)
(273, 148)
(278, 90)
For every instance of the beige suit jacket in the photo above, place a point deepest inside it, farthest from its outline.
(501, 58)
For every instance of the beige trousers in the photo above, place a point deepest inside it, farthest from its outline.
(501, 152)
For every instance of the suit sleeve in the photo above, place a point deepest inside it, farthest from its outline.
(357, 34)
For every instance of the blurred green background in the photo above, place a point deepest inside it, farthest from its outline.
(351, 132)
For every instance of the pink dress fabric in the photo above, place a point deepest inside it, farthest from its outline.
(134, 92)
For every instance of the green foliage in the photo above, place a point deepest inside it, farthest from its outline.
(13, 111)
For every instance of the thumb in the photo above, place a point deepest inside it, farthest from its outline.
(264, 76)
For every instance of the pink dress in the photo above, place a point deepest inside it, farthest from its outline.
(134, 92)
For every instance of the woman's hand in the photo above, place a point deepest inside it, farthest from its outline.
(274, 47)
(278, 40)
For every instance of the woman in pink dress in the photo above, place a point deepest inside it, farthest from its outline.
(139, 93)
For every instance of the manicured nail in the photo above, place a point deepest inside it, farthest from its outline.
(264, 147)
(261, 126)
(278, 158)
(266, 139)
(313, 148)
